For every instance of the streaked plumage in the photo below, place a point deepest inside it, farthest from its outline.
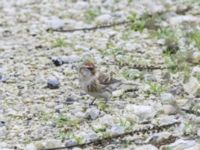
(95, 84)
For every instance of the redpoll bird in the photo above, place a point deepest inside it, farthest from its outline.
(95, 84)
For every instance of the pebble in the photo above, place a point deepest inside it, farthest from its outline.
(103, 19)
(70, 142)
(186, 18)
(146, 147)
(31, 147)
(144, 112)
(196, 57)
(81, 5)
(92, 113)
(107, 120)
(116, 130)
(167, 98)
(53, 83)
(170, 109)
(157, 137)
(51, 143)
(181, 144)
(71, 59)
(198, 132)
(192, 87)
(118, 93)
(55, 23)
(3, 131)
(195, 70)
(57, 61)
(2, 123)
(163, 120)
(69, 101)
(3, 146)
(90, 136)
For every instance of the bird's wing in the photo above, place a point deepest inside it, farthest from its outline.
(95, 86)
(106, 79)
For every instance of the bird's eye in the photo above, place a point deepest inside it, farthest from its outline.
(90, 68)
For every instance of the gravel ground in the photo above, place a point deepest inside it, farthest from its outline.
(158, 52)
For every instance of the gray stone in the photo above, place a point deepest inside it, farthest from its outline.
(118, 93)
(30, 146)
(149, 77)
(92, 113)
(57, 61)
(55, 23)
(192, 87)
(2, 123)
(183, 145)
(103, 19)
(183, 18)
(157, 138)
(167, 98)
(69, 101)
(3, 145)
(108, 3)
(51, 143)
(71, 59)
(146, 147)
(115, 130)
(70, 142)
(195, 70)
(163, 120)
(170, 109)
(81, 5)
(3, 131)
(90, 136)
(198, 132)
(107, 120)
(53, 83)
(144, 112)
(196, 57)
(82, 47)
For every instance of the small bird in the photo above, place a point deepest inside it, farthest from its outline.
(98, 85)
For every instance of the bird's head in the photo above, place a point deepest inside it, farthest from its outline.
(87, 69)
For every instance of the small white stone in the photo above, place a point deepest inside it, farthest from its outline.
(104, 19)
(71, 59)
(198, 132)
(90, 136)
(52, 143)
(117, 93)
(80, 5)
(55, 23)
(115, 130)
(170, 109)
(108, 3)
(30, 147)
(192, 87)
(167, 119)
(182, 144)
(3, 131)
(92, 113)
(195, 70)
(107, 120)
(146, 147)
(82, 48)
(196, 57)
(167, 98)
(144, 112)
(3, 145)
(180, 19)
